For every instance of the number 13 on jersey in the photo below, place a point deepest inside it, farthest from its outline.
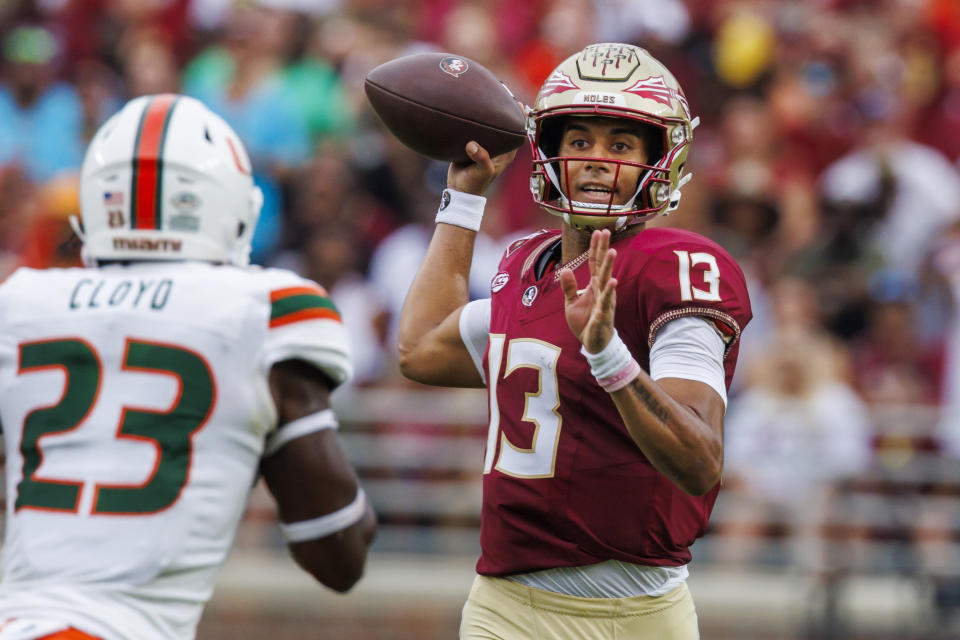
(711, 276)
(541, 409)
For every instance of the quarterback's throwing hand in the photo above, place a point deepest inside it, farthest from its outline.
(475, 176)
(590, 311)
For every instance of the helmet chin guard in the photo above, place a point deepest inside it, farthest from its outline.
(165, 178)
(612, 81)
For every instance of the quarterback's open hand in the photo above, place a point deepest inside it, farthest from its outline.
(590, 311)
(475, 176)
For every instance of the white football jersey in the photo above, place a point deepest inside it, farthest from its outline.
(134, 402)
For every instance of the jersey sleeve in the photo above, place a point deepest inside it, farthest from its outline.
(303, 323)
(693, 279)
(691, 349)
(475, 331)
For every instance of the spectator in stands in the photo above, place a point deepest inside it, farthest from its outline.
(891, 362)
(396, 259)
(795, 431)
(242, 80)
(945, 269)
(318, 92)
(149, 64)
(41, 119)
(19, 202)
(913, 189)
(330, 259)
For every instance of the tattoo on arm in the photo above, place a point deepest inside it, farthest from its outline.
(658, 410)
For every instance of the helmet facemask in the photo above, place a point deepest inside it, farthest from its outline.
(552, 171)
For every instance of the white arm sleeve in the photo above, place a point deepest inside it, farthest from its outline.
(475, 331)
(689, 348)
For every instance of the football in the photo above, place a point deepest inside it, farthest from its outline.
(435, 103)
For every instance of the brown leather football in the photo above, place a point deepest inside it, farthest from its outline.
(437, 102)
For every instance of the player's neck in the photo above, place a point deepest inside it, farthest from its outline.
(577, 241)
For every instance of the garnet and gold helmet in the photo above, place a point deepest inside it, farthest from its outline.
(615, 81)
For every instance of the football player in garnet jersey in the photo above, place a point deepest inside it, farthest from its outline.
(607, 351)
(142, 396)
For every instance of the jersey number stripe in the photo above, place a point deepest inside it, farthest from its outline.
(170, 431)
(294, 304)
(540, 409)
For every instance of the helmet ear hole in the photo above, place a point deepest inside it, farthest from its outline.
(241, 227)
(653, 143)
(551, 132)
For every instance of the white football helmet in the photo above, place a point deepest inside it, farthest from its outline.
(616, 81)
(165, 178)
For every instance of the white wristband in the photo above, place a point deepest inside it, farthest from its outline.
(326, 524)
(461, 209)
(609, 360)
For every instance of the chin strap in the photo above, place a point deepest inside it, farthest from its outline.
(77, 227)
(675, 196)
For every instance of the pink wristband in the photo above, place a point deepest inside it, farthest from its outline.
(621, 378)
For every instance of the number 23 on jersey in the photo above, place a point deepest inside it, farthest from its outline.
(170, 431)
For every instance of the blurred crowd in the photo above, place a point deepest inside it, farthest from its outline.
(827, 163)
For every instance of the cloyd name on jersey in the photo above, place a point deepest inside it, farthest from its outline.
(135, 405)
(564, 483)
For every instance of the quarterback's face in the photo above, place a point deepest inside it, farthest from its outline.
(602, 138)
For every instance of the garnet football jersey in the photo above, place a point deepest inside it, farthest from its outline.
(564, 483)
(134, 402)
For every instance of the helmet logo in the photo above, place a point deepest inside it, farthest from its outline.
(454, 66)
(608, 61)
(529, 295)
(499, 281)
(114, 218)
(656, 89)
(236, 158)
(558, 82)
(185, 201)
(184, 204)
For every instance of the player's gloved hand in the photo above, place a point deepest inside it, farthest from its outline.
(475, 176)
(590, 311)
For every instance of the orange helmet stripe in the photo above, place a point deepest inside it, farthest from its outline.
(147, 182)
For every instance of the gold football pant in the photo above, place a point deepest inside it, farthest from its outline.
(499, 609)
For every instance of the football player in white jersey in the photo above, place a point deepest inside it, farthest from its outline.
(143, 395)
